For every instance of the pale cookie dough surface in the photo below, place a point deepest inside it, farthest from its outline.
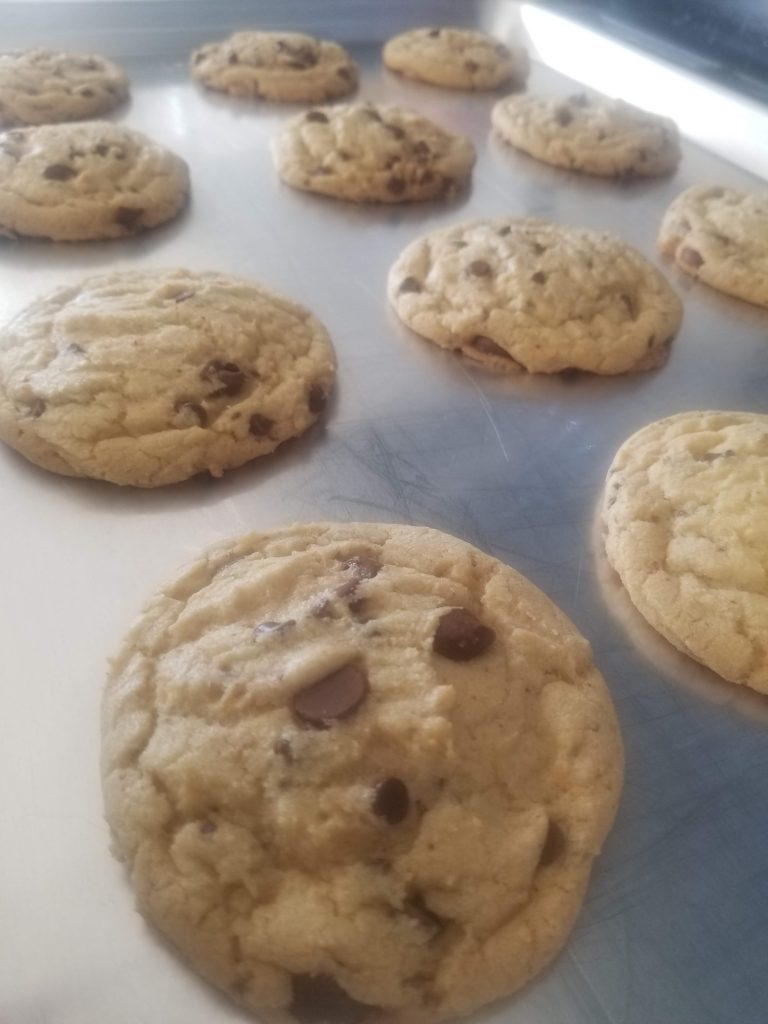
(366, 153)
(456, 58)
(96, 180)
(283, 66)
(358, 772)
(595, 134)
(45, 86)
(527, 294)
(720, 236)
(685, 516)
(148, 378)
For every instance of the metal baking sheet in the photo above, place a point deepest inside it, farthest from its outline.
(675, 925)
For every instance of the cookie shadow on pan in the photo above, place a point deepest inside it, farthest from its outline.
(393, 214)
(672, 665)
(729, 307)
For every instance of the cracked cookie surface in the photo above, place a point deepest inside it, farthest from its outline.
(366, 153)
(358, 771)
(684, 516)
(148, 378)
(526, 294)
(285, 67)
(593, 134)
(45, 86)
(720, 236)
(74, 182)
(456, 58)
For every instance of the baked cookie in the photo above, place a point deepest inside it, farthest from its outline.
(592, 134)
(527, 294)
(284, 66)
(720, 236)
(73, 182)
(685, 512)
(358, 772)
(147, 378)
(456, 58)
(44, 86)
(367, 153)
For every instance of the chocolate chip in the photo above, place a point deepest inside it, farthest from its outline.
(396, 185)
(267, 628)
(318, 999)
(627, 300)
(651, 341)
(563, 116)
(228, 375)
(395, 131)
(233, 59)
(372, 114)
(471, 66)
(183, 296)
(479, 268)
(334, 696)
(460, 636)
(488, 346)
(538, 249)
(539, 277)
(554, 844)
(259, 425)
(433, 33)
(691, 257)
(317, 115)
(59, 172)
(36, 408)
(503, 232)
(343, 154)
(317, 399)
(207, 827)
(128, 216)
(193, 409)
(201, 56)
(344, 73)
(284, 749)
(365, 567)
(416, 907)
(421, 150)
(409, 284)
(101, 150)
(88, 93)
(74, 347)
(391, 801)
(321, 608)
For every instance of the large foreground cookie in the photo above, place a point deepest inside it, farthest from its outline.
(148, 378)
(74, 182)
(456, 58)
(720, 236)
(283, 66)
(359, 772)
(685, 514)
(44, 86)
(366, 153)
(514, 294)
(592, 134)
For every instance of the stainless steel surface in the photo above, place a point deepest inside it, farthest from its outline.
(675, 926)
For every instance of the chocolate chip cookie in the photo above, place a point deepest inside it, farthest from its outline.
(593, 134)
(526, 294)
(358, 772)
(456, 58)
(45, 86)
(287, 67)
(720, 236)
(366, 153)
(73, 182)
(684, 514)
(147, 378)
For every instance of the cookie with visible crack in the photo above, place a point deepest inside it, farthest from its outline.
(358, 772)
(684, 514)
(527, 294)
(593, 134)
(147, 378)
(286, 67)
(456, 58)
(46, 86)
(720, 236)
(367, 153)
(78, 182)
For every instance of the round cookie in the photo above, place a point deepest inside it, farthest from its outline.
(150, 377)
(684, 516)
(456, 58)
(720, 236)
(366, 153)
(358, 772)
(45, 86)
(284, 66)
(527, 294)
(74, 182)
(594, 134)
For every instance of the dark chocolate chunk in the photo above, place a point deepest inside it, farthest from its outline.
(59, 172)
(391, 801)
(691, 257)
(460, 636)
(317, 115)
(228, 375)
(539, 277)
(335, 696)
(266, 628)
(554, 845)
(479, 268)
(193, 409)
(318, 999)
(317, 398)
(410, 284)
(396, 185)
(128, 216)
(259, 425)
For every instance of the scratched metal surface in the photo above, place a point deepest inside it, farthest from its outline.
(676, 921)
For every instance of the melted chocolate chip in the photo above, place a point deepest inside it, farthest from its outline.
(335, 696)
(318, 999)
(410, 284)
(691, 257)
(539, 277)
(488, 346)
(479, 268)
(396, 185)
(460, 636)
(317, 398)
(503, 232)
(538, 249)
(433, 33)
(267, 628)
(193, 409)
(317, 115)
(554, 844)
(128, 216)
(259, 425)
(284, 749)
(563, 116)
(416, 907)
(391, 801)
(228, 375)
(395, 131)
(59, 172)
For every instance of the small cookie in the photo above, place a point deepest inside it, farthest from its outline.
(44, 86)
(456, 58)
(527, 294)
(284, 66)
(367, 153)
(720, 236)
(74, 182)
(595, 134)
(685, 516)
(358, 772)
(147, 378)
